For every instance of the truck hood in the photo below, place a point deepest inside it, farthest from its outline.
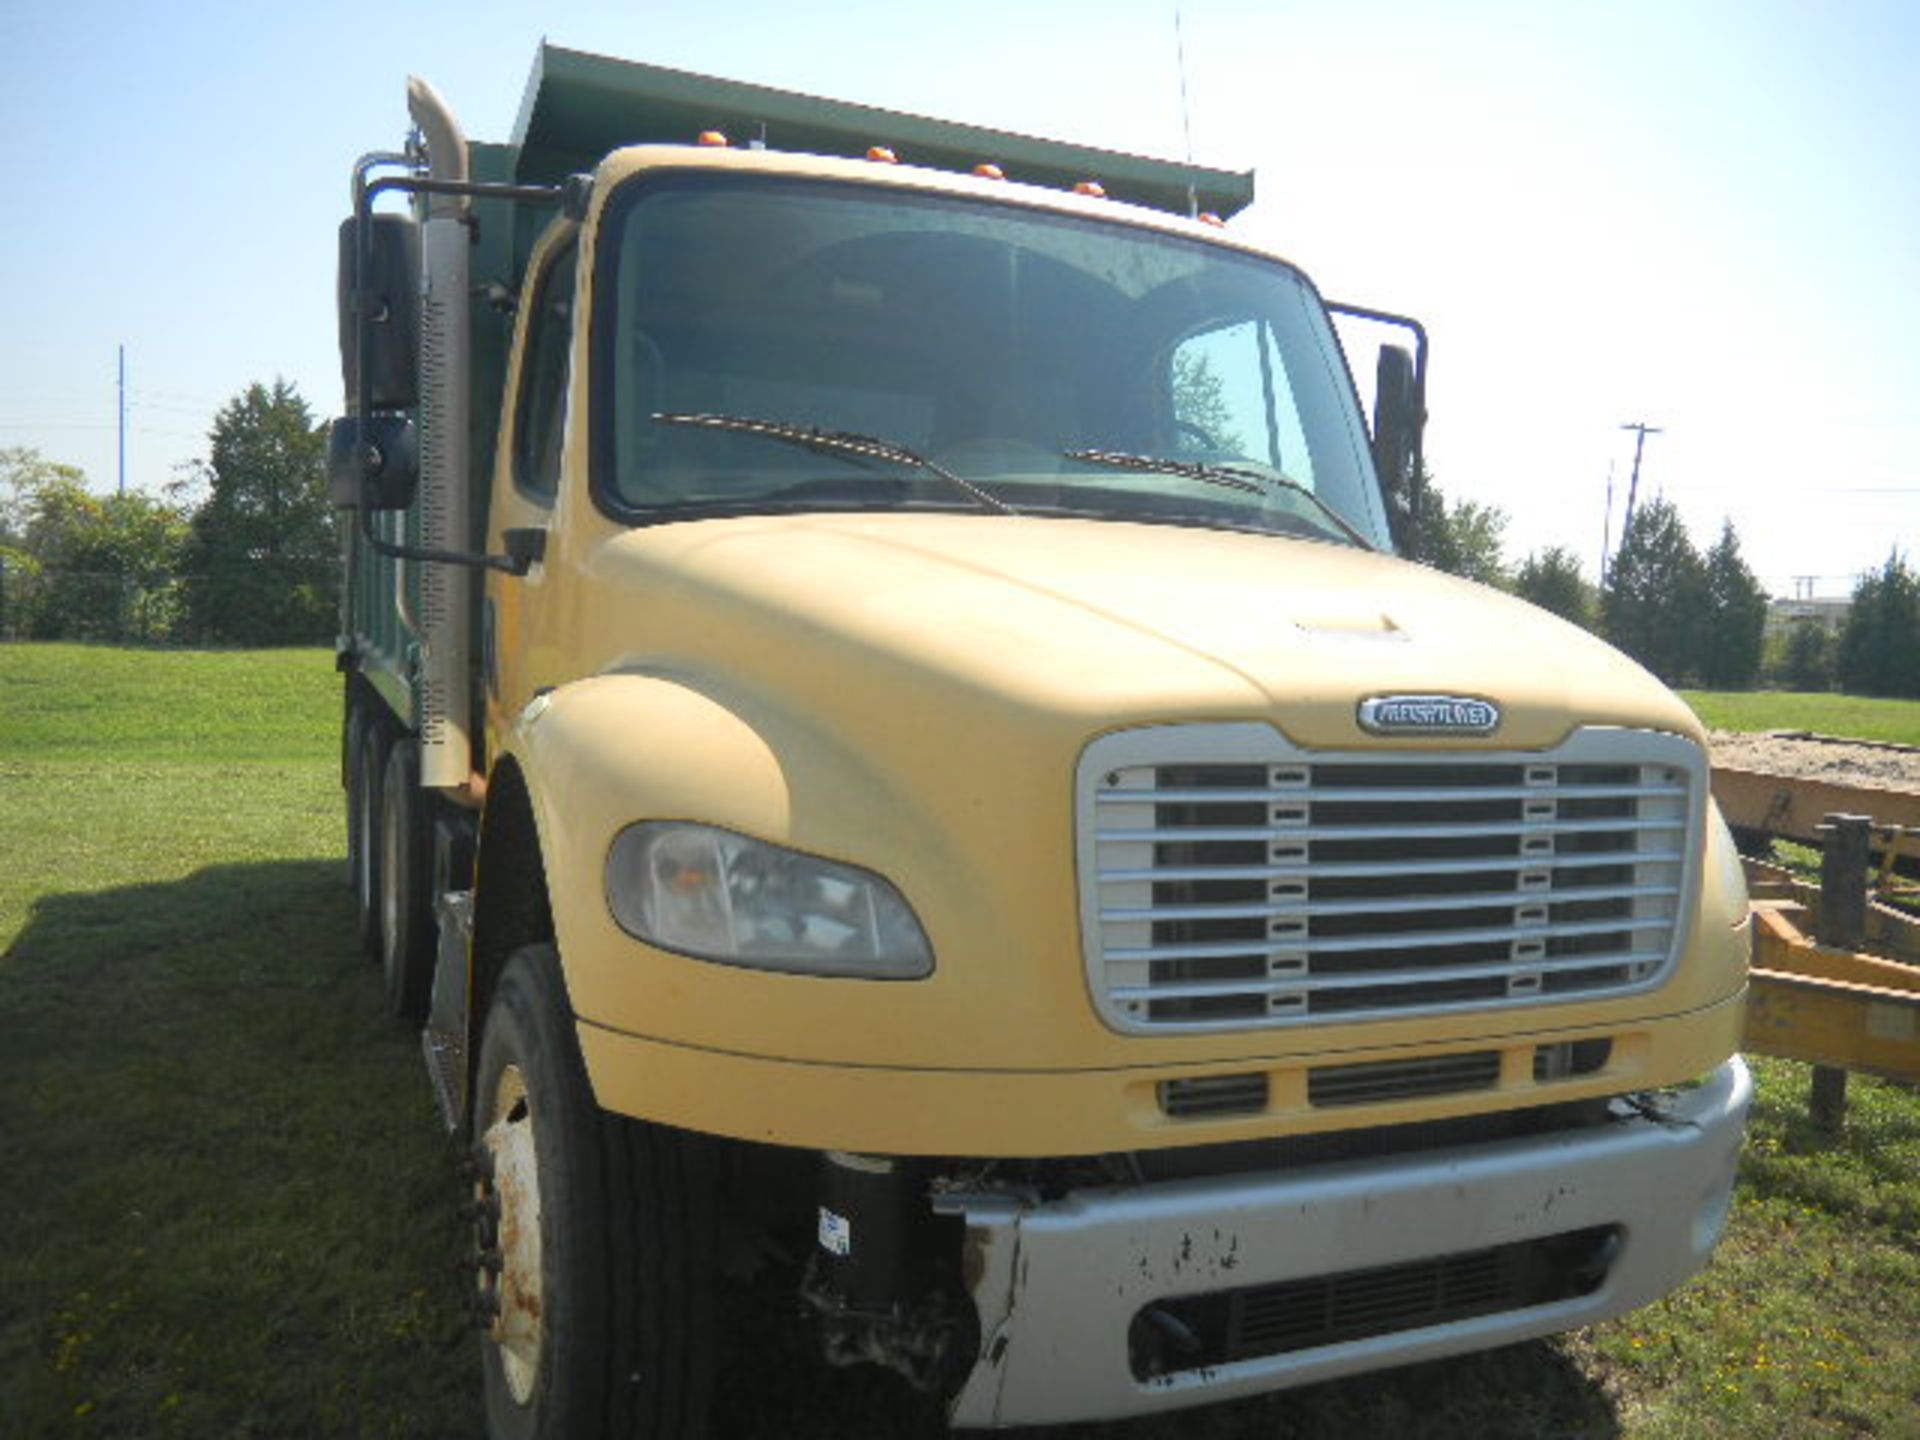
(1112, 624)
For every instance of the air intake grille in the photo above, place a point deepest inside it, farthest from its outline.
(1272, 886)
(1300, 1315)
(1403, 1079)
(1214, 1095)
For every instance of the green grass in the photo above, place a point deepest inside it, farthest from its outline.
(229, 1210)
(227, 1207)
(1853, 716)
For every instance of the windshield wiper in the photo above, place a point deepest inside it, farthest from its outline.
(837, 442)
(1229, 477)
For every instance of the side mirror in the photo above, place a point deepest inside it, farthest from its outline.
(1399, 416)
(373, 462)
(387, 297)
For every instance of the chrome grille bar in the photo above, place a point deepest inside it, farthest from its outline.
(1484, 830)
(1362, 907)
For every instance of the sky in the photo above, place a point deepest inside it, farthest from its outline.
(1697, 214)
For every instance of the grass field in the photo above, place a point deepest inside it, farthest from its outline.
(228, 1208)
(1854, 716)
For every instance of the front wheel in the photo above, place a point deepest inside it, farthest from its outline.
(595, 1266)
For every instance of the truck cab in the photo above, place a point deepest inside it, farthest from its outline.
(888, 707)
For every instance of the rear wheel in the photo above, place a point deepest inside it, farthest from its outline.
(353, 723)
(363, 795)
(406, 884)
(596, 1244)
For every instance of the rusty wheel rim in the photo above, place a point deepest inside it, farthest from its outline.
(514, 1288)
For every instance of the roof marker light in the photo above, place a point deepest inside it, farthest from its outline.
(987, 170)
(1207, 217)
(714, 139)
(1091, 187)
(881, 155)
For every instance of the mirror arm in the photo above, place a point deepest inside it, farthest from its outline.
(474, 560)
(1405, 322)
(365, 191)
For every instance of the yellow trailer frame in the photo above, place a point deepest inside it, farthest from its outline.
(1828, 1006)
(1842, 1007)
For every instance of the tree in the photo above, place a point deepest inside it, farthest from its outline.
(1879, 651)
(1805, 657)
(1462, 539)
(24, 475)
(1736, 618)
(1200, 403)
(1552, 580)
(82, 566)
(1655, 603)
(264, 555)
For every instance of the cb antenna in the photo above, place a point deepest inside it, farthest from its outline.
(1186, 113)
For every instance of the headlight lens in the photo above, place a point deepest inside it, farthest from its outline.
(716, 895)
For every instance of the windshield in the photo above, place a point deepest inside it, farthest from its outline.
(1050, 360)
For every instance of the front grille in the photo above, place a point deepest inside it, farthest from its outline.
(1298, 1315)
(1233, 881)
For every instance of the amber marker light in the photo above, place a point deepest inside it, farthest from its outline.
(881, 155)
(989, 171)
(1091, 187)
(1207, 217)
(713, 139)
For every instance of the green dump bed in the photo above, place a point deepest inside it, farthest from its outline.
(578, 107)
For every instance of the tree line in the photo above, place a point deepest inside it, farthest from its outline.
(1692, 617)
(242, 549)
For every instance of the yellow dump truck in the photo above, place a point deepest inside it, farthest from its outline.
(891, 724)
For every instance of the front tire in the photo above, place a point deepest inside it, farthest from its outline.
(596, 1242)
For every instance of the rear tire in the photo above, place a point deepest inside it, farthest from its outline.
(601, 1308)
(351, 725)
(363, 790)
(406, 883)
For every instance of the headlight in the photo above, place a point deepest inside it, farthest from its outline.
(720, 896)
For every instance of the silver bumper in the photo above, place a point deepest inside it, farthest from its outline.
(1058, 1283)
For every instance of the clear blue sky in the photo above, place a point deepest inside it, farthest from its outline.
(1705, 215)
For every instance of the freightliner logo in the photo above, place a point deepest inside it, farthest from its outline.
(1428, 715)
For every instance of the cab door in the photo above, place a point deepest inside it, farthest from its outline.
(527, 470)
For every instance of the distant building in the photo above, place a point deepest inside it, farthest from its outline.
(1782, 612)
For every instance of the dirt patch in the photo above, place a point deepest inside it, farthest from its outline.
(1838, 762)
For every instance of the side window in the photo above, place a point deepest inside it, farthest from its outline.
(540, 416)
(1232, 400)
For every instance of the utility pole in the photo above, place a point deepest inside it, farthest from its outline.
(1606, 528)
(123, 419)
(1641, 430)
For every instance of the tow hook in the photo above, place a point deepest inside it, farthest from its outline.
(1159, 1339)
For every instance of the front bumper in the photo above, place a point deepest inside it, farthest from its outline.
(1058, 1283)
